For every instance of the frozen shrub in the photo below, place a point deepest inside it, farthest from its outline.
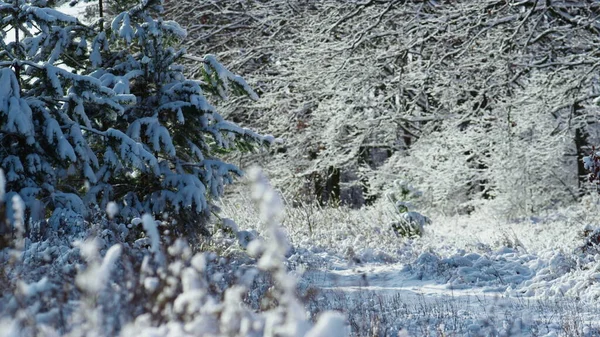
(592, 165)
(591, 240)
(403, 195)
(409, 223)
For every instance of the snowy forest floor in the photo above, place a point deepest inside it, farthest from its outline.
(468, 275)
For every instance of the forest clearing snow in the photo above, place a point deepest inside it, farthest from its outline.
(474, 275)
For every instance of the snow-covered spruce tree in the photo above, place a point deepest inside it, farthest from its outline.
(122, 123)
(105, 9)
(163, 153)
(45, 131)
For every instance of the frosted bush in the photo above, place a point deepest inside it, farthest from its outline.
(409, 223)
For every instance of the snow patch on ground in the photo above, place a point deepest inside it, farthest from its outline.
(491, 276)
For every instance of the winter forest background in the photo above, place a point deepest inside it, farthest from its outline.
(469, 101)
(427, 168)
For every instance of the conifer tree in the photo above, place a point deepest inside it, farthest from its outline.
(90, 115)
(171, 119)
(45, 130)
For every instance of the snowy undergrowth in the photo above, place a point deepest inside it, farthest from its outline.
(530, 276)
(94, 281)
(330, 235)
(470, 275)
(371, 313)
(364, 235)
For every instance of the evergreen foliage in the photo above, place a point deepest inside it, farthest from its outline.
(408, 223)
(91, 114)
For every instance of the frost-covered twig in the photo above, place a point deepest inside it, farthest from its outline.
(292, 320)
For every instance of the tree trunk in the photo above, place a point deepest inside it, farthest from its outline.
(328, 189)
(581, 146)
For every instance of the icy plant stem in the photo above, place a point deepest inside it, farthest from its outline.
(17, 68)
(273, 260)
(19, 221)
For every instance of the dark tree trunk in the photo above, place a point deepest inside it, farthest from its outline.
(333, 184)
(328, 189)
(17, 49)
(581, 146)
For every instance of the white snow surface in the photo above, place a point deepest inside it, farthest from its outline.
(493, 276)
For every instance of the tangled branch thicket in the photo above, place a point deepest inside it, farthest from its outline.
(473, 100)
